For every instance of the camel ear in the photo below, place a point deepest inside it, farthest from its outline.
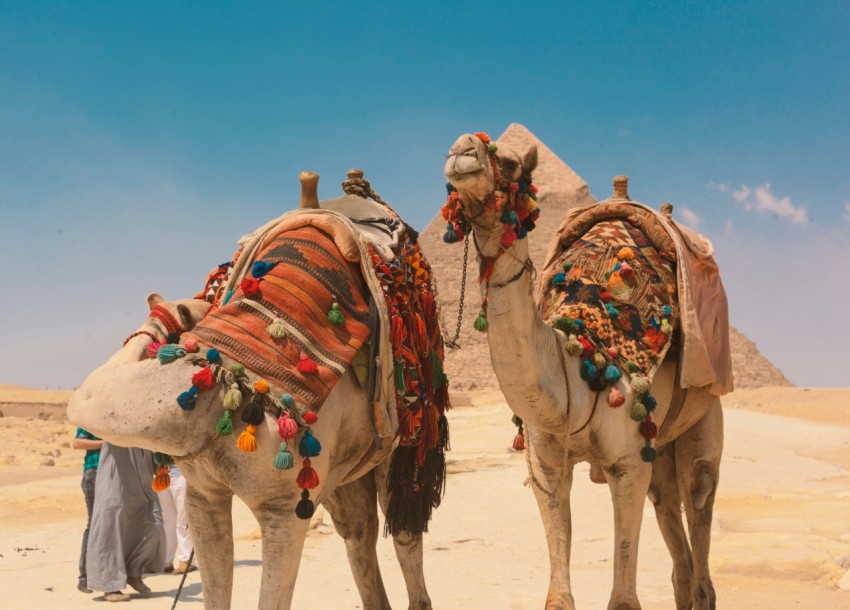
(185, 316)
(529, 160)
(154, 299)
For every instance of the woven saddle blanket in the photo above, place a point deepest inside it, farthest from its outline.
(613, 290)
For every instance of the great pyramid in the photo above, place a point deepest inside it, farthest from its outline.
(561, 188)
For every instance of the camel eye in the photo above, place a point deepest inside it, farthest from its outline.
(511, 165)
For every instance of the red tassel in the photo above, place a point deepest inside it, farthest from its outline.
(250, 286)
(153, 348)
(587, 346)
(486, 269)
(420, 333)
(508, 238)
(398, 332)
(305, 365)
(519, 442)
(429, 308)
(203, 379)
(307, 477)
(310, 417)
(648, 429)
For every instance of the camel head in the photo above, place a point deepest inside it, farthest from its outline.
(107, 403)
(486, 181)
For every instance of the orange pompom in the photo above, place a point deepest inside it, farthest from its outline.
(483, 137)
(262, 386)
(247, 442)
(162, 480)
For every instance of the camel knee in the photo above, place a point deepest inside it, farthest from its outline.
(703, 487)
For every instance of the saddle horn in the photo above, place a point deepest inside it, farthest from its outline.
(309, 190)
(621, 187)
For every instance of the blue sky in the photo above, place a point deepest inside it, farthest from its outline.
(139, 141)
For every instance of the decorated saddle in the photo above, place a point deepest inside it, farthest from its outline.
(306, 297)
(612, 285)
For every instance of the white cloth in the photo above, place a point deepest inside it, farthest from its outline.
(177, 535)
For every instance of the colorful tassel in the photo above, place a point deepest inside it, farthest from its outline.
(261, 268)
(288, 401)
(574, 346)
(305, 508)
(480, 323)
(276, 329)
(450, 236)
(309, 445)
(650, 402)
(187, 399)
(519, 441)
(612, 374)
(162, 479)
(213, 355)
(335, 316)
(310, 417)
(307, 477)
(625, 254)
(599, 360)
(400, 378)
(203, 379)
(559, 278)
(586, 347)
(247, 442)
(283, 460)
(508, 238)
(648, 454)
(237, 369)
(250, 286)
(233, 398)
(638, 411)
(306, 365)
(287, 427)
(224, 425)
(509, 217)
(254, 413)
(261, 386)
(169, 353)
(640, 385)
(153, 348)
(626, 271)
(191, 346)
(612, 311)
(616, 398)
(648, 429)
(587, 370)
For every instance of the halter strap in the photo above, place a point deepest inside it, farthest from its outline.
(168, 320)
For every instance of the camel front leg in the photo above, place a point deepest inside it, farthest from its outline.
(628, 479)
(211, 523)
(552, 479)
(283, 535)
(408, 549)
(354, 510)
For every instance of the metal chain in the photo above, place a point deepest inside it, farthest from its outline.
(452, 343)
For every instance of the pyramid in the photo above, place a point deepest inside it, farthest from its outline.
(469, 367)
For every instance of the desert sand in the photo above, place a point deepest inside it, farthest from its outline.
(781, 527)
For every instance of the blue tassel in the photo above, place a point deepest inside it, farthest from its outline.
(169, 353)
(228, 296)
(560, 278)
(612, 374)
(521, 232)
(213, 355)
(261, 268)
(509, 217)
(283, 460)
(612, 311)
(649, 402)
(187, 399)
(648, 454)
(288, 401)
(666, 310)
(309, 445)
(450, 236)
(588, 370)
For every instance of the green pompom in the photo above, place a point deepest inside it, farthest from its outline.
(574, 346)
(640, 385)
(233, 398)
(481, 322)
(492, 147)
(632, 366)
(335, 315)
(237, 369)
(224, 426)
(638, 411)
(647, 454)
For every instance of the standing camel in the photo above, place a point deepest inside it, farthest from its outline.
(130, 401)
(563, 424)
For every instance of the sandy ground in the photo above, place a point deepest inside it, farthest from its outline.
(781, 530)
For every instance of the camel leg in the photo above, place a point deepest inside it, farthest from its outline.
(209, 513)
(628, 479)
(552, 479)
(408, 549)
(664, 495)
(354, 511)
(283, 535)
(698, 453)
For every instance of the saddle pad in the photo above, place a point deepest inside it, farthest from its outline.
(614, 289)
(308, 275)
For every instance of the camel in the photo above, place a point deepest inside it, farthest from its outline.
(557, 407)
(130, 401)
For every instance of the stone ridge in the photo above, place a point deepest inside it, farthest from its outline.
(469, 368)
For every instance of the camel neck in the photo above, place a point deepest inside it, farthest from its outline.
(526, 353)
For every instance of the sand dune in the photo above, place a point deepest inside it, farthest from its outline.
(781, 531)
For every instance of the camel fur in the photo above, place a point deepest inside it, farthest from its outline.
(563, 427)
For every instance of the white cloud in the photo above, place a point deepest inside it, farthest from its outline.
(762, 199)
(719, 186)
(741, 194)
(691, 218)
(847, 212)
